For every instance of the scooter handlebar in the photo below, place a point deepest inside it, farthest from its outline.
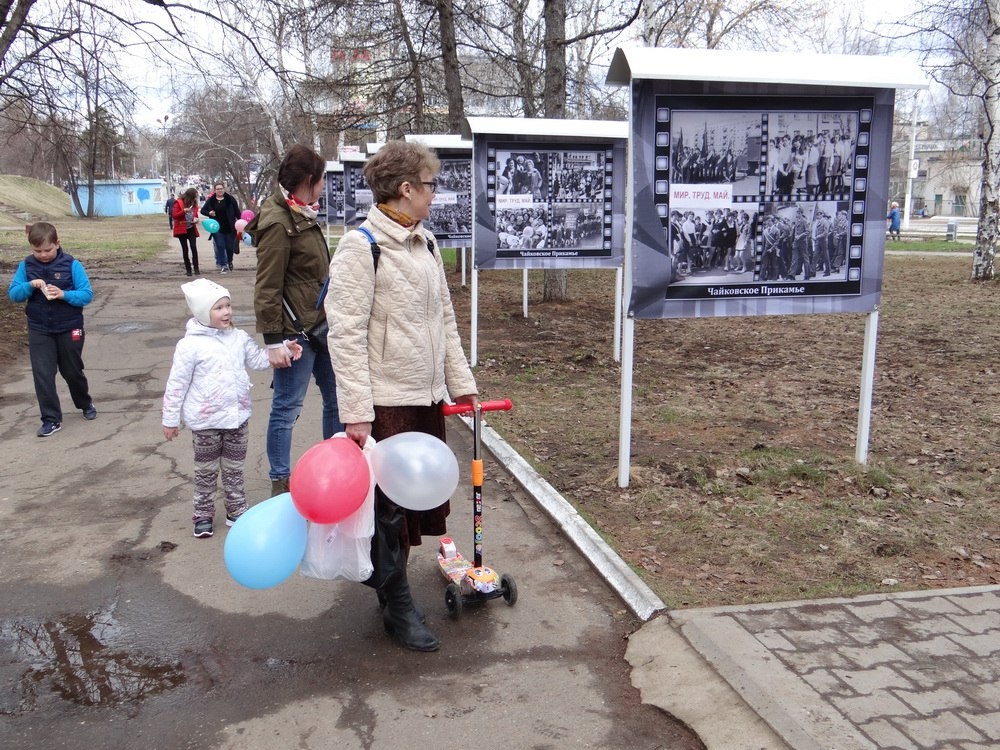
(504, 404)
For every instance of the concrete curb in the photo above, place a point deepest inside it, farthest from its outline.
(641, 599)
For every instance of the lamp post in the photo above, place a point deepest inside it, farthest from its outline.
(166, 154)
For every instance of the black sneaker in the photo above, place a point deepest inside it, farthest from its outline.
(90, 412)
(231, 519)
(49, 428)
(203, 529)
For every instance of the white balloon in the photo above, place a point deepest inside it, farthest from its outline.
(415, 470)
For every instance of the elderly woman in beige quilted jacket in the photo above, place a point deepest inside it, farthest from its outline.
(397, 354)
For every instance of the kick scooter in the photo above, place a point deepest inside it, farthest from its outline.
(470, 582)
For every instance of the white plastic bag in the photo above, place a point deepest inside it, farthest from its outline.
(343, 550)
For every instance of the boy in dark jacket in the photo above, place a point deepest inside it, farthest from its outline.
(56, 289)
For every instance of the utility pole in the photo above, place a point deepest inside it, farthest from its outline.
(166, 153)
(910, 170)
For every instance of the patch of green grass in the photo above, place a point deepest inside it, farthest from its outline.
(670, 415)
(26, 194)
(776, 466)
(932, 246)
(758, 504)
(120, 238)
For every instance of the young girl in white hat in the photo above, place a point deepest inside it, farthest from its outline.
(208, 387)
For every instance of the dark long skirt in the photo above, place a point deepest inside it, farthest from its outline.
(392, 420)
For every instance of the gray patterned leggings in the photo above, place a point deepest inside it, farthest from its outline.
(218, 451)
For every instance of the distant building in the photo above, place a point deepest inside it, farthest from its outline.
(124, 197)
(948, 179)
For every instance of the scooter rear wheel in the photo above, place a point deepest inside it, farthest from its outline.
(453, 600)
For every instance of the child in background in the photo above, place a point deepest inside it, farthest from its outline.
(209, 387)
(56, 288)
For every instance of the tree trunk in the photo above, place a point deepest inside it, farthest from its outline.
(418, 81)
(555, 286)
(452, 71)
(525, 73)
(983, 259)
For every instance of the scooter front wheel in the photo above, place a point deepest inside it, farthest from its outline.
(453, 600)
(509, 589)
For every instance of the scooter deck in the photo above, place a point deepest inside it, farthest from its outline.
(474, 582)
(454, 568)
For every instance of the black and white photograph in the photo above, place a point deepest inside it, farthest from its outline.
(523, 173)
(523, 228)
(578, 176)
(810, 155)
(577, 225)
(713, 245)
(455, 176)
(451, 217)
(716, 148)
(805, 241)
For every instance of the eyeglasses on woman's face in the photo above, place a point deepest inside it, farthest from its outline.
(432, 184)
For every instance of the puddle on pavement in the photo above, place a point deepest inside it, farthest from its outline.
(134, 327)
(71, 658)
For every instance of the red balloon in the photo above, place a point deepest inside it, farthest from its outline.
(330, 481)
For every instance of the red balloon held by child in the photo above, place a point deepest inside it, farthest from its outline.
(330, 481)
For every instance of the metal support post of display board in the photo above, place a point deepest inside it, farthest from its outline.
(625, 400)
(474, 315)
(524, 292)
(619, 304)
(867, 386)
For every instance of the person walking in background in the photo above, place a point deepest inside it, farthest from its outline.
(185, 213)
(397, 353)
(292, 265)
(208, 386)
(225, 209)
(56, 288)
(168, 209)
(894, 218)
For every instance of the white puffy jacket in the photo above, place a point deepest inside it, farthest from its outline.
(393, 338)
(208, 383)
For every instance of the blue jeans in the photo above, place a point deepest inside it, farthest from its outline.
(290, 385)
(224, 246)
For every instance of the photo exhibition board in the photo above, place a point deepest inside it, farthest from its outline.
(757, 205)
(333, 196)
(451, 212)
(357, 194)
(548, 201)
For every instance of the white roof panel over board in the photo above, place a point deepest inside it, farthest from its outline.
(546, 127)
(440, 140)
(334, 166)
(791, 68)
(352, 156)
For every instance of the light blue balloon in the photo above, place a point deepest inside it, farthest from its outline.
(211, 225)
(247, 239)
(266, 544)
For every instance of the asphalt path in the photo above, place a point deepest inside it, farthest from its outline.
(118, 629)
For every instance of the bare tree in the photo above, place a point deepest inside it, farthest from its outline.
(960, 41)
(710, 24)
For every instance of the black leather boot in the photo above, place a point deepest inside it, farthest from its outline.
(400, 616)
(381, 597)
